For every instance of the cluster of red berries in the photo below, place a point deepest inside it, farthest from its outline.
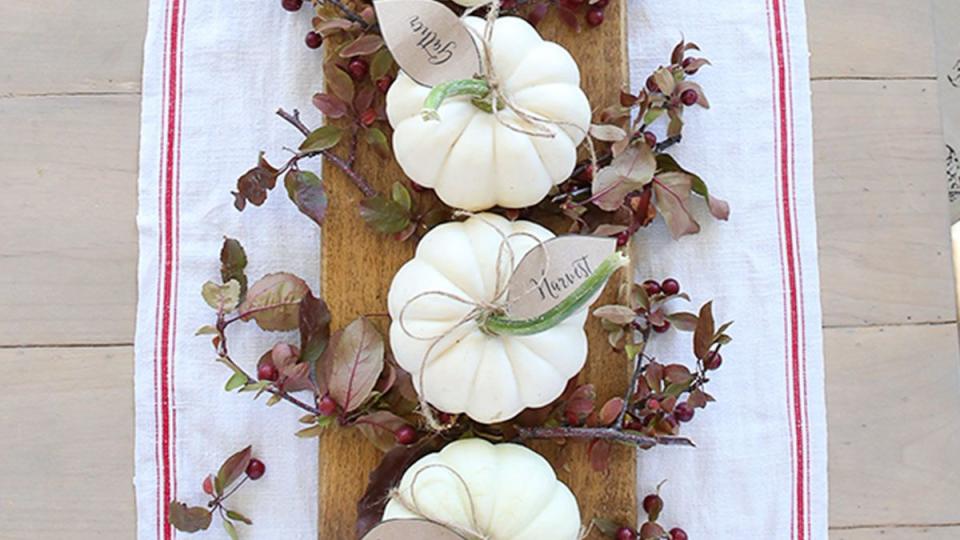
(651, 530)
(667, 287)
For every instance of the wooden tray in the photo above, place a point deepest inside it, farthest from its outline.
(357, 266)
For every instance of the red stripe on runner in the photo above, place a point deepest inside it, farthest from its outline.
(789, 239)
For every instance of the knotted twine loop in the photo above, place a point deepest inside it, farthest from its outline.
(480, 309)
(536, 125)
(473, 531)
(409, 503)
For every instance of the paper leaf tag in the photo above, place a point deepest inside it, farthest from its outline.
(428, 41)
(548, 274)
(407, 529)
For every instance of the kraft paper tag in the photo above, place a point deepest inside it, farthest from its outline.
(549, 273)
(411, 529)
(429, 41)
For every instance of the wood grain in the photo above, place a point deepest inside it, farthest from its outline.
(71, 46)
(893, 396)
(357, 267)
(68, 261)
(881, 203)
(67, 421)
(910, 532)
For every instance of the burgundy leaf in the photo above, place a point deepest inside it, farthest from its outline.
(189, 519)
(672, 191)
(233, 467)
(306, 191)
(677, 374)
(630, 170)
(330, 105)
(703, 335)
(683, 320)
(362, 46)
(331, 26)
(274, 301)
(314, 328)
(339, 83)
(379, 428)
(610, 411)
(386, 476)
(599, 451)
(352, 364)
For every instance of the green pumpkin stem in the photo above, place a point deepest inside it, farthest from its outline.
(505, 326)
(477, 88)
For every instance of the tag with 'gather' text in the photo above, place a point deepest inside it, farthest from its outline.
(408, 529)
(549, 273)
(429, 41)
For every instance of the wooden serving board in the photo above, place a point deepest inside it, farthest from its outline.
(357, 266)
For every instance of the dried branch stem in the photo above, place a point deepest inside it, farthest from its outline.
(608, 434)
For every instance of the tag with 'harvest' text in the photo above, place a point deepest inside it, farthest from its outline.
(549, 273)
(429, 41)
(408, 529)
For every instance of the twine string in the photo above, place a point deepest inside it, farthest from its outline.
(472, 531)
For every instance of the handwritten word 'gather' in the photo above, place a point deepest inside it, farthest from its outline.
(438, 50)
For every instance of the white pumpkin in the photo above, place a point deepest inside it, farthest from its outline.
(489, 377)
(514, 491)
(475, 162)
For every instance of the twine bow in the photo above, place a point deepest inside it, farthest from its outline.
(409, 502)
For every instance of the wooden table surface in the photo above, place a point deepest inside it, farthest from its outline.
(69, 118)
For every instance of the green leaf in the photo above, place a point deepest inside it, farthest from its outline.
(189, 518)
(381, 63)
(401, 196)
(306, 191)
(206, 330)
(607, 527)
(231, 530)
(384, 215)
(274, 399)
(352, 364)
(223, 298)
(235, 381)
(234, 466)
(237, 516)
(321, 139)
(312, 431)
(274, 301)
(377, 140)
(233, 262)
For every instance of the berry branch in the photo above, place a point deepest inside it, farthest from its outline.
(344, 165)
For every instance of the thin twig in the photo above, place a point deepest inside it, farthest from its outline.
(348, 13)
(609, 434)
(634, 378)
(362, 184)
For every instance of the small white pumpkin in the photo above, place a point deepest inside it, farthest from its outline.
(514, 491)
(472, 160)
(489, 377)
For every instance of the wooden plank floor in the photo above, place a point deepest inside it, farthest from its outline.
(69, 102)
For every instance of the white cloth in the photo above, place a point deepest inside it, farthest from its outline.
(214, 73)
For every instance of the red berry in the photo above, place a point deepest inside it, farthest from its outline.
(595, 16)
(314, 40)
(255, 469)
(626, 533)
(368, 117)
(651, 286)
(267, 372)
(358, 68)
(623, 238)
(653, 404)
(652, 505)
(651, 139)
(327, 406)
(292, 5)
(677, 533)
(713, 360)
(586, 173)
(670, 286)
(662, 328)
(633, 425)
(686, 62)
(689, 97)
(683, 412)
(651, 531)
(406, 434)
(208, 484)
(383, 83)
(652, 84)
